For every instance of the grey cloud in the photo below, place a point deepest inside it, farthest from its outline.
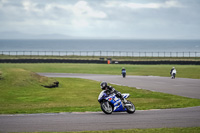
(99, 20)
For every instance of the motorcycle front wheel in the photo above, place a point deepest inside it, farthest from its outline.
(130, 109)
(106, 107)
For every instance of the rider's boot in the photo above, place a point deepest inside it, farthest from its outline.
(124, 101)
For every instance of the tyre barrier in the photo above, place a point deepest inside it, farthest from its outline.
(97, 61)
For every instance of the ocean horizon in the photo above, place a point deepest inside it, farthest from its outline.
(101, 45)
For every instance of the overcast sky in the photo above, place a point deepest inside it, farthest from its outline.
(121, 19)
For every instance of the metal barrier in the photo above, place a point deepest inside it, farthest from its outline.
(100, 53)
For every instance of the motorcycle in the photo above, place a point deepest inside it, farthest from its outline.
(123, 74)
(173, 75)
(111, 103)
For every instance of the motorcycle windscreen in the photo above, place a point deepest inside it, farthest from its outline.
(101, 95)
(125, 95)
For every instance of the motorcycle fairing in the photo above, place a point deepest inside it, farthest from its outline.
(125, 95)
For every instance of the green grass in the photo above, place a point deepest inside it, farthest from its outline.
(21, 92)
(151, 130)
(183, 71)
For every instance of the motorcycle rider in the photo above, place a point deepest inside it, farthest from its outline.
(173, 72)
(110, 90)
(123, 72)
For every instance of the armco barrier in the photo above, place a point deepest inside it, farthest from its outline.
(96, 61)
(161, 62)
(49, 61)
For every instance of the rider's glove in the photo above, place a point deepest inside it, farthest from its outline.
(118, 94)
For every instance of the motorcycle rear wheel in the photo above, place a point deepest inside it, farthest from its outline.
(106, 107)
(130, 109)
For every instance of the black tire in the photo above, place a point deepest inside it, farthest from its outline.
(130, 109)
(106, 107)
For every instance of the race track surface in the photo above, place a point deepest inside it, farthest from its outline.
(60, 122)
(179, 86)
(91, 121)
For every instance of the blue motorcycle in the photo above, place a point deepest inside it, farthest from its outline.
(111, 103)
(124, 73)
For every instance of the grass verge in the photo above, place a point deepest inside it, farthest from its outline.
(151, 130)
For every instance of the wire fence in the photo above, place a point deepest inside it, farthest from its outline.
(100, 53)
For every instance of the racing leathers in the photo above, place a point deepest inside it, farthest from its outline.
(111, 90)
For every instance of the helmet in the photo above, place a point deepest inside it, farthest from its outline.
(103, 85)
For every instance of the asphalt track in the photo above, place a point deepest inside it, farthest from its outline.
(61, 122)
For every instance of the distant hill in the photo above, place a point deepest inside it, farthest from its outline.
(19, 35)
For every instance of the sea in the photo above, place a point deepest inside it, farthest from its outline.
(102, 45)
